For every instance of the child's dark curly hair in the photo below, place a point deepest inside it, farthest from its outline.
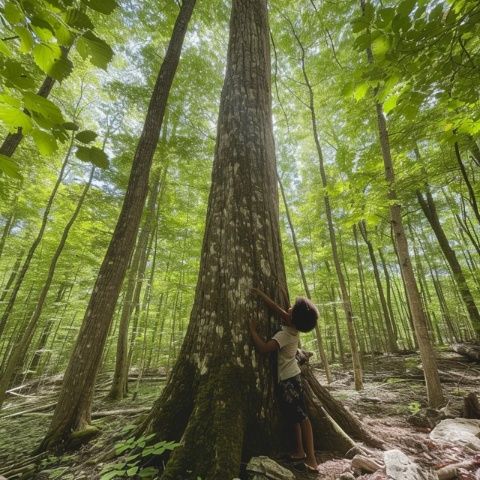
(304, 314)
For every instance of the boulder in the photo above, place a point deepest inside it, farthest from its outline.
(264, 468)
(463, 431)
(400, 467)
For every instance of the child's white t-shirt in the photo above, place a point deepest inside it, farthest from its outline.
(287, 339)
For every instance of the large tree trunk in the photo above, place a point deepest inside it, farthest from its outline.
(430, 211)
(219, 399)
(72, 412)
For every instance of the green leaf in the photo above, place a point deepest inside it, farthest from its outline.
(113, 474)
(360, 91)
(17, 75)
(390, 103)
(9, 100)
(4, 49)
(148, 472)
(380, 46)
(61, 69)
(103, 6)
(406, 7)
(45, 142)
(9, 167)
(44, 107)
(13, 13)
(385, 16)
(132, 471)
(71, 126)
(45, 56)
(14, 118)
(86, 136)
(96, 156)
(42, 28)
(77, 19)
(99, 52)
(363, 41)
(26, 39)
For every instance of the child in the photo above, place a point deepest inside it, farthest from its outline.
(301, 317)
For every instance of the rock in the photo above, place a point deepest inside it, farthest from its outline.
(462, 431)
(346, 476)
(264, 468)
(426, 418)
(399, 467)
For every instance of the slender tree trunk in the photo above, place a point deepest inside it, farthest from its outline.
(389, 324)
(320, 344)
(430, 211)
(6, 230)
(471, 191)
(26, 263)
(72, 412)
(12, 276)
(120, 377)
(331, 293)
(427, 352)
(19, 351)
(347, 305)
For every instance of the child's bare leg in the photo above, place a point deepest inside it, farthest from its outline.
(307, 433)
(299, 452)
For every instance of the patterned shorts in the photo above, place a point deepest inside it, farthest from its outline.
(292, 404)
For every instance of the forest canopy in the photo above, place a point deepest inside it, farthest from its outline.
(147, 184)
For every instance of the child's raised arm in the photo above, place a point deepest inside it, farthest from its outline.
(261, 345)
(270, 303)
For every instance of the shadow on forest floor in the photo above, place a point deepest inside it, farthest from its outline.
(394, 390)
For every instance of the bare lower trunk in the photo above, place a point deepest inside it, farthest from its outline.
(72, 412)
(430, 211)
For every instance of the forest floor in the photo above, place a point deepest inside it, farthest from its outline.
(394, 390)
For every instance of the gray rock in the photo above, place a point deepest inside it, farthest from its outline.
(346, 476)
(465, 431)
(399, 467)
(264, 468)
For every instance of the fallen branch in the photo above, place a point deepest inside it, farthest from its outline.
(126, 411)
(41, 408)
(452, 471)
(365, 464)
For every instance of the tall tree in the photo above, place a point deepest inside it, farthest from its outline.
(72, 413)
(427, 352)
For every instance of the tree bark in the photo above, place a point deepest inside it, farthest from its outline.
(74, 404)
(6, 230)
(219, 396)
(430, 211)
